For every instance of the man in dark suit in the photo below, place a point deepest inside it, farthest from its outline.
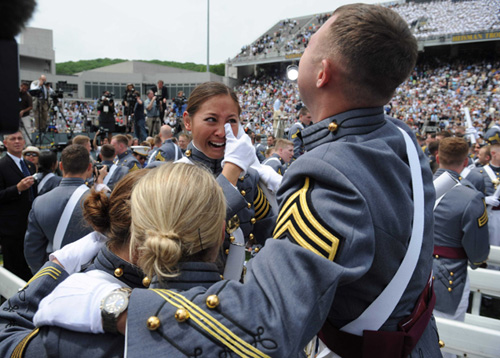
(17, 191)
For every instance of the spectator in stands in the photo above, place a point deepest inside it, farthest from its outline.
(48, 229)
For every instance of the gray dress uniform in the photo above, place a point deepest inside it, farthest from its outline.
(340, 239)
(44, 217)
(489, 184)
(117, 174)
(275, 162)
(50, 184)
(294, 135)
(460, 223)
(260, 151)
(20, 338)
(247, 201)
(168, 152)
(477, 179)
(127, 159)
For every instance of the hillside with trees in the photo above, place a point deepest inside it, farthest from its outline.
(71, 67)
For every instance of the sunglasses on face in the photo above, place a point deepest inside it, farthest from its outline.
(31, 155)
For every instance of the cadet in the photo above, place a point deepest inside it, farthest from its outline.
(294, 135)
(49, 230)
(124, 157)
(169, 151)
(340, 238)
(281, 157)
(260, 149)
(460, 233)
(115, 172)
(491, 177)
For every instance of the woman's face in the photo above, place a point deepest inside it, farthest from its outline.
(207, 125)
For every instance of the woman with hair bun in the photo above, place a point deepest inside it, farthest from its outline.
(175, 237)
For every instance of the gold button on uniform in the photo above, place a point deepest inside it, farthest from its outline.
(231, 238)
(249, 205)
(449, 289)
(251, 236)
(451, 273)
(441, 344)
(332, 127)
(436, 256)
(256, 250)
(253, 221)
(188, 153)
(451, 282)
(241, 178)
(227, 251)
(153, 323)
(181, 315)
(146, 281)
(119, 272)
(212, 301)
(243, 192)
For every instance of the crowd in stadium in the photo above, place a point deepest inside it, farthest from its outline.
(428, 20)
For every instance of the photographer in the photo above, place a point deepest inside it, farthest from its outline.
(129, 100)
(180, 104)
(106, 108)
(139, 118)
(161, 94)
(41, 91)
(152, 113)
(25, 106)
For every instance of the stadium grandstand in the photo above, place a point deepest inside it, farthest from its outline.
(458, 65)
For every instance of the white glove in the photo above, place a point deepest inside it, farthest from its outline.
(73, 256)
(492, 200)
(471, 130)
(239, 151)
(75, 302)
(268, 176)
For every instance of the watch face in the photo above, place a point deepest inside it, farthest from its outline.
(115, 302)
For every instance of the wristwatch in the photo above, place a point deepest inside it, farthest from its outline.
(112, 305)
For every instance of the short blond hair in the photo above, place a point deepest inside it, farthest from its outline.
(282, 143)
(177, 214)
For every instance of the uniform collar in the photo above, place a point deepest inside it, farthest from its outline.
(454, 174)
(169, 140)
(72, 182)
(124, 154)
(354, 122)
(214, 165)
(278, 157)
(107, 162)
(192, 274)
(108, 262)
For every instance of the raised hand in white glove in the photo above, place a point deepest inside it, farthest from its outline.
(240, 150)
(75, 302)
(268, 176)
(491, 200)
(73, 256)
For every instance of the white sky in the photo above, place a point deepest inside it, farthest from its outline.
(165, 30)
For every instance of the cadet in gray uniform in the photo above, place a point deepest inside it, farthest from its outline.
(124, 156)
(47, 230)
(169, 151)
(115, 172)
(282, 156)
(339, 238)
(294, 135)
(460, 233)
(491, 176)
(260, 149)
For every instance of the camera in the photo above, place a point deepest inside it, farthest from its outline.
(37, 177)
(179, 101)
(58, 93)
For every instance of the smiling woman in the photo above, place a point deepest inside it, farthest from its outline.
(228, 154)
